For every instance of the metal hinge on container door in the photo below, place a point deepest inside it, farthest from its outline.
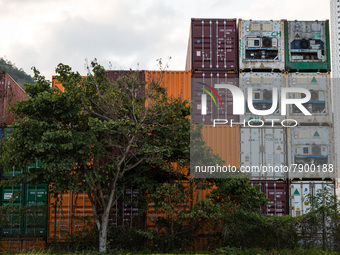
(261, 148)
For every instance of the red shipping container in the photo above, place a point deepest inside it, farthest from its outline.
(212, 45)
(10, 92)
(199, 80)
(276, 192)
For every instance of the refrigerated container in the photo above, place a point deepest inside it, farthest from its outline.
(301, 192)
(261, 45)
(277, 193)
(177, 83)
(307, 46)
(212, 45)
(263, 152)
(262, 84)
(311, 153)
(320, 106)
(201, 84)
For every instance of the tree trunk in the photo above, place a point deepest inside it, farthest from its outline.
(103, 233)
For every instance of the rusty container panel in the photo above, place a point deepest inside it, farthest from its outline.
(11, 93)
(202, 81)
(212, 45)
(224, 141)
(177, 83)
(17, 245)
(70, 215)
(277, 194)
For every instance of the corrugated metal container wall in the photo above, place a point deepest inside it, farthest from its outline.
(11, 92)
(263, 147)
(212, 45)
(72, 214)
(177, 83)
(310, 148)
(31, 221)
(224, 141)
(261, 45)
(18, 245)
(300, 192)
(320, 106)
(262, 85)
(307, 46)
(57, 84)
(276, 192)
(199, 81)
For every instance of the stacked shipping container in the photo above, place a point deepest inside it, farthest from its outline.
(262, 64)
(310, 145)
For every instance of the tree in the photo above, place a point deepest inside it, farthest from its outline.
(98, 136)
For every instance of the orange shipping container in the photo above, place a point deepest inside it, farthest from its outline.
(177, 83)
(16, 245)
(224, 141)
(73, 213)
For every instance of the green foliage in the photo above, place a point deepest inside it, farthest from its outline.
(98, 136)
(18, 75)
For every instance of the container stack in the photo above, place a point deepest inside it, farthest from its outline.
(261, 58)
(310, 144)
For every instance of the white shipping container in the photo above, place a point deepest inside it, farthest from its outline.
(264, 151)
(262, 85)
(319, 85)
(300, 192)
(310, 152)
(261, 45)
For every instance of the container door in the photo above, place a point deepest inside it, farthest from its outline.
(12, 199)
(36, 213)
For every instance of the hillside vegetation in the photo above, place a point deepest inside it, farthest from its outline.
(17, 74)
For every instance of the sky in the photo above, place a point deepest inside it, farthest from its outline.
(123, 34)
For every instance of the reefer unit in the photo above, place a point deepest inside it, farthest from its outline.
(319, 85)
(263, 152)
(310, 152)
(219, 101)
(261, 45)
(300, 193)
(307, 45)
(212, 45)
(262, 85)
(276, 192)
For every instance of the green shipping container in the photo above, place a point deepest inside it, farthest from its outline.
(307, 46)
(12, 220)
(36, 214)
(31, 219)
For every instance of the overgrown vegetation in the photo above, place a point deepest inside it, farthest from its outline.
(19, 75)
